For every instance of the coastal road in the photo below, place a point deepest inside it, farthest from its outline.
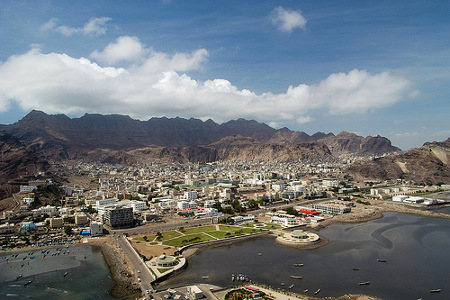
(141, 270)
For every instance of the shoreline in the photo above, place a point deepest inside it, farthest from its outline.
(124, 285)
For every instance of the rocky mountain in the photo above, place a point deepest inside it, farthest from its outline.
(16, 160)
(96, 136)
(428, 164)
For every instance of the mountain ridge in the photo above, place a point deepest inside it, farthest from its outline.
(59, 136)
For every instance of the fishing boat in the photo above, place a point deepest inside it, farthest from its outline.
(296, 277)
(28, 282)
(381, 260)
(364, 283)
(435, 291)
(298, 265)
(316, 292)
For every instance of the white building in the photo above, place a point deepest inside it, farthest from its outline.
(103, 202)
(96, 228)
(45, 210)
(182, 205)
(243, 219)
(399, 198)
(190, 195)
(194, 292)
(138, 205)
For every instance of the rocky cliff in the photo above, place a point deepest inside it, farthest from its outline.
(428, 164)
(16, 160)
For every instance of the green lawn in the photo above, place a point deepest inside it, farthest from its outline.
(222, 234)
(189, 239)
(199, 229)
(227, 227)
(168, 235)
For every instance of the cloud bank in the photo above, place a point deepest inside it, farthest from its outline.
(157, 84)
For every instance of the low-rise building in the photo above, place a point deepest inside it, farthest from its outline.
(194, 292)
(56, 222)
(81, 219)
(96, 228)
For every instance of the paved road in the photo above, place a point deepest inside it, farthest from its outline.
(137, 263)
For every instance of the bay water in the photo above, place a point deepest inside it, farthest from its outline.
(77, 272)
(415, 250)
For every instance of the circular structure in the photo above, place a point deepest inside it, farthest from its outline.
(298, 238)
(299, 234)
(166, 261)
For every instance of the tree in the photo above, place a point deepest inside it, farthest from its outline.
(158, 236)
(68, 229)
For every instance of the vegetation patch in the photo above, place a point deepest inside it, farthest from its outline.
(164, 270)
(188, 239)
(199, 229)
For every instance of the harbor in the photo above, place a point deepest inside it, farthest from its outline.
(338, 268)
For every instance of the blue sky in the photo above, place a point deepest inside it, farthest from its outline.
(368, 67)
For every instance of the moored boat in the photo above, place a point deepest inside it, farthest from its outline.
(298, 265)
(296, 277)
(381, 260)
(356, 269)
(435, 291)
(316, 292)
(364, 283)
(28, 282)
(305, 290)
(291, 286)
(65, 274)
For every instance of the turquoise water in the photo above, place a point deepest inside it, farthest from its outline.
(87, 275)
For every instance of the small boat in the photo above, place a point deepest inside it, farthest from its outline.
(65, 274)
(381, 260)
(28, 282)
(316, 292)
(233, 278)
(356, 269)
(260, 254)
(205, 277)
(364, 283)
(296, 277)
(305, 291)
(435, 291)
(18, 277)
(298, 265)
(291, 286)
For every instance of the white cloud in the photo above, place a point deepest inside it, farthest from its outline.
(304, 119)
(95, 26)
(158, 84)
(126, 48)
(287, 20)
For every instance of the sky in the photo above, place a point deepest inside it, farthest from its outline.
(367, 67)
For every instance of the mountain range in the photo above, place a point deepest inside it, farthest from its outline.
(108, 137)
